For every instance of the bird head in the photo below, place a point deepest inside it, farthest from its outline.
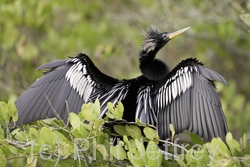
(154, 39)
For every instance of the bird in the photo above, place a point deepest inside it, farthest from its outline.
(185, 97)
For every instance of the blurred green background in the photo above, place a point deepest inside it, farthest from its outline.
(35, 32)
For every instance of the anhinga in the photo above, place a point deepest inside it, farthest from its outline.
(184, 97)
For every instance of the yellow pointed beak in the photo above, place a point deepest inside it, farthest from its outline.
(176, 33)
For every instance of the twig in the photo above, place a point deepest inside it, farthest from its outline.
(10, 158)
(169, 154)
(55, 112)
(18, 144)
(173, 144)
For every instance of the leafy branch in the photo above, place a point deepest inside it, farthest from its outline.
(91, 141)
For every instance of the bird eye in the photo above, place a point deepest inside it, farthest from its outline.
(164, 36)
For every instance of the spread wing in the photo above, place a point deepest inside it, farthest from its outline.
(187, 99)
(65, 86)
(145, 110)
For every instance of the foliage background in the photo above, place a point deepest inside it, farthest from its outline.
(35, 32)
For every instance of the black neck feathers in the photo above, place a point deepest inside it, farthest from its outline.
(153, 69)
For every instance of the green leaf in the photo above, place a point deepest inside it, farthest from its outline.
(32, 133)
(248, 150)
(110, 106)
(154, 156)
(111, 109)
(150, 133)
(120, 109)
(19, 135)
(110, 115)
(118, 152)
(132, 143)
(2, 110)
(140, 147)
(140, 123)
(96, 109)
(115, 112)
(196, 139)
(183, 164)
(121, 130)
(188, 156)
(133, 131)
(74, 120)
(8, 111)
(2, 134)
(60, 138)
(78, 128)
(97, 127)
(4, 116)
(3, 159)
(198, 155)
(218, 149)
(127, 143)
(171, 127)
(12, 110)
(243, 142)
(222, 148)
(233, 145)
(103, 151)
(69, 162)
(135, 157)
(107, 144)
(103, 140)
(33, 149)
(13, 149)
(65, 150)
(46, 136)
(88, 112)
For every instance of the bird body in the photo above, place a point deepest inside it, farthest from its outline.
(184, 97)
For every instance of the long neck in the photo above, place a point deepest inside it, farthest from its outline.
(151, 68)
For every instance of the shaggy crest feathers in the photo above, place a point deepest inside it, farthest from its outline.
(151, 36)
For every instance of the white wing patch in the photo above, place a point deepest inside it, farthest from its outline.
(117, 93)
(79, 79)
(175, 86)
(145, 110)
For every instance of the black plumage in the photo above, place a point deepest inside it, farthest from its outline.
(184, 97)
